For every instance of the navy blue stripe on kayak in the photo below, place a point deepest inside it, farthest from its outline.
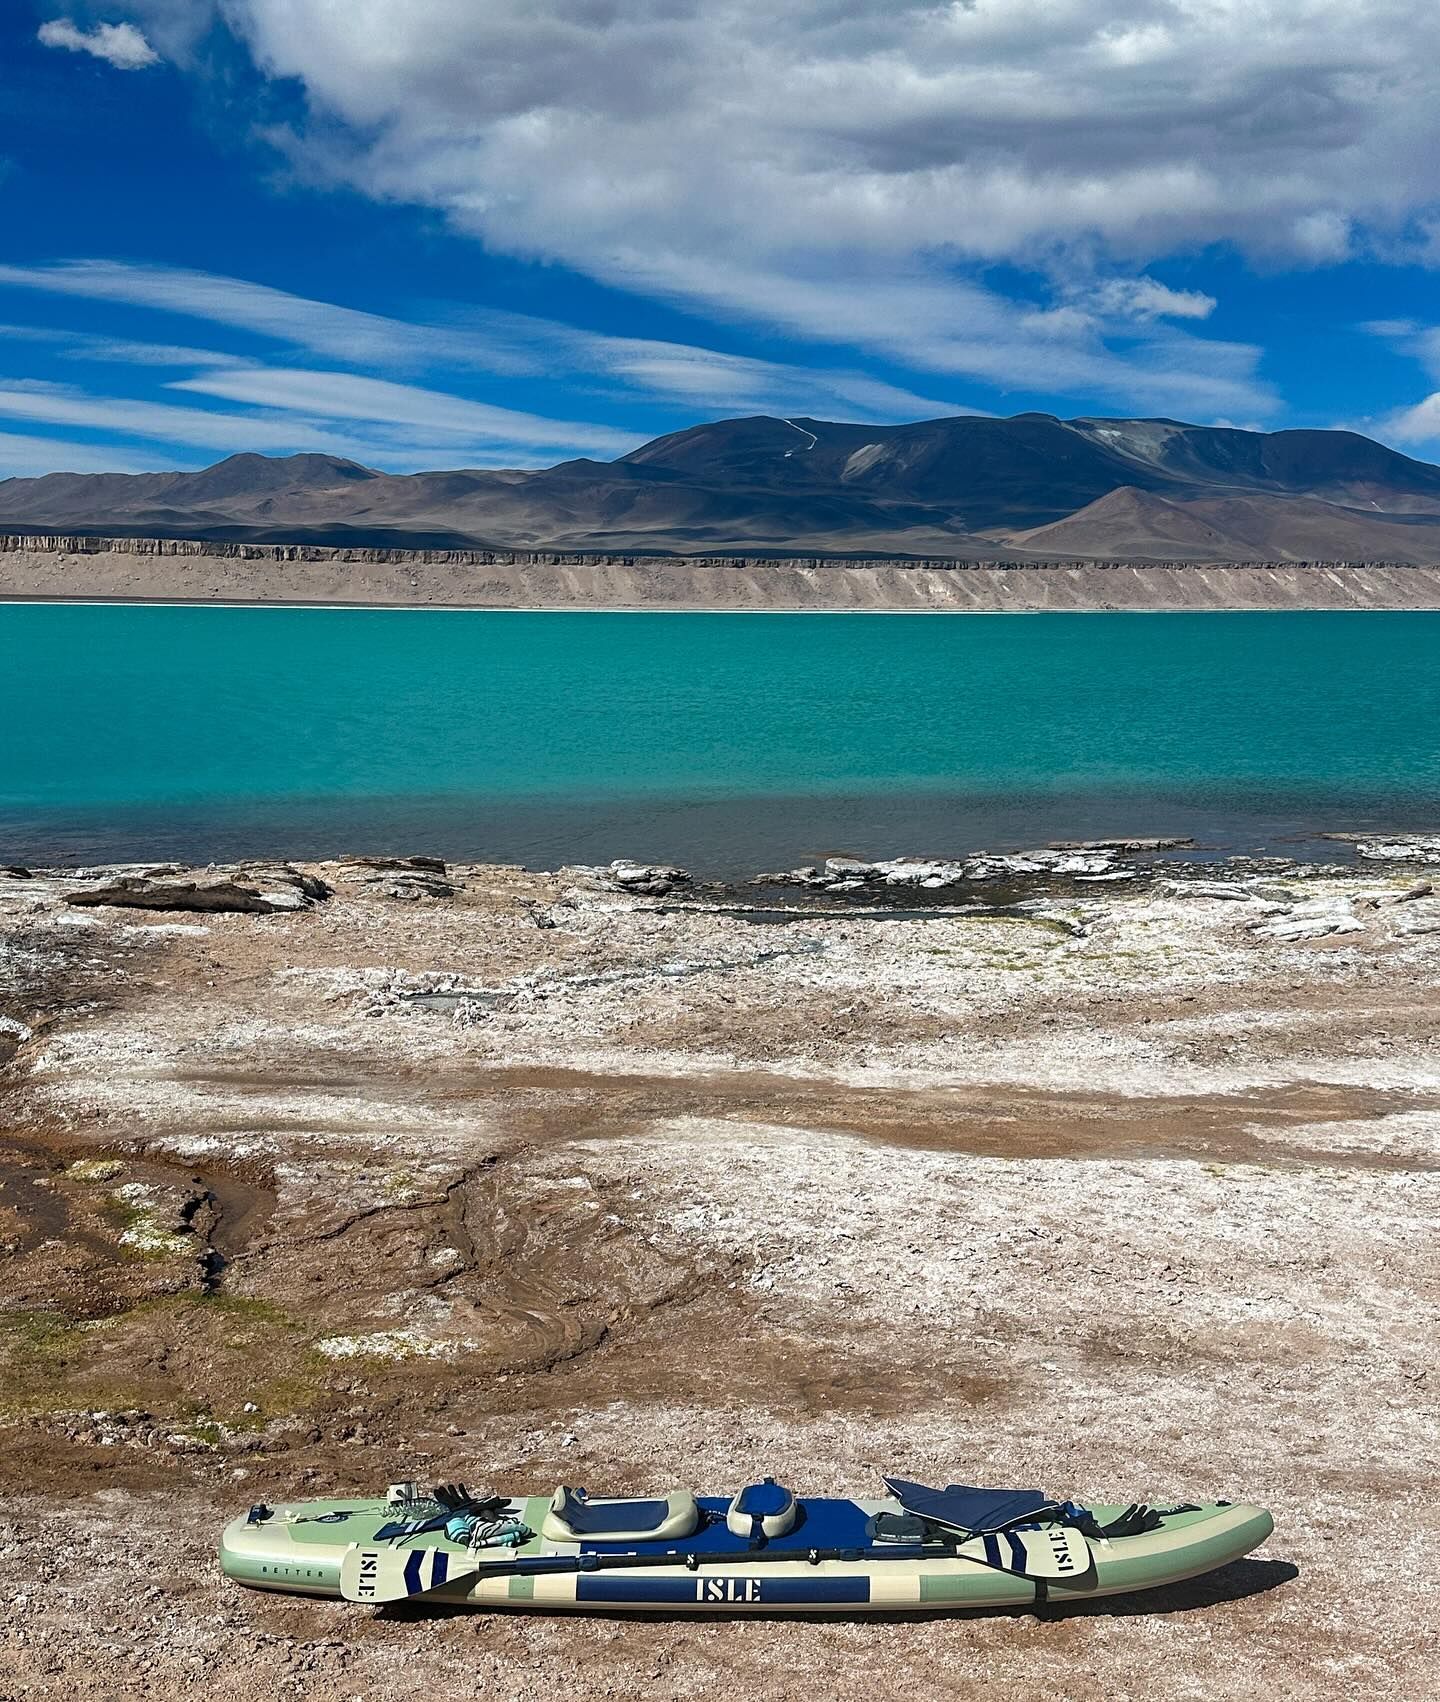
(440, 1570)
(992, 1549)
(412, 1571)
(1017, 1552)
(719, 1592)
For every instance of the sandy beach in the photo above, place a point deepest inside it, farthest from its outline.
(1122, 1183)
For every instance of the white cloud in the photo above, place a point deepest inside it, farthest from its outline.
(990, 128)
(62, 405)
(1391, 328)
(127, 351)
(737, 383)
(1324, 236)
(733, 157)
(120, 45)
(1419, 424)
(860, 135)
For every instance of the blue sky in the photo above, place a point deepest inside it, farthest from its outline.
(454, 233)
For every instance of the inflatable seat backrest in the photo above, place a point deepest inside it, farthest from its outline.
(762, 1510)
(573, 1517)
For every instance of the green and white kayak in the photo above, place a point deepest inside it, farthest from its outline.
(761, 1550)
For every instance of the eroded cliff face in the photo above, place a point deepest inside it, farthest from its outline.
(181, 570)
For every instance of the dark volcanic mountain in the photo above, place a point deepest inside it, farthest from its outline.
(1032, 486)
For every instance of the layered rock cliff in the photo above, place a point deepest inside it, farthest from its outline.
(183, 570)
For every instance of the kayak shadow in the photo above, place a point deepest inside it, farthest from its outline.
(1232, 1583)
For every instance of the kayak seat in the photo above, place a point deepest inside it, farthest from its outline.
(761, 1510)
(573, 1517)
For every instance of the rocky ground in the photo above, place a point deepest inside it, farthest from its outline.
(1093, 1169)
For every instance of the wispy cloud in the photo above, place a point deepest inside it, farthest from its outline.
(202, 428)
(368, 435)
(1410, 337)
(343, 334)
(349, 396)
(1396, 330)
(1143, 299)
(118, 351)
(23, 457)
(737, 383)
(1416, 425)
(501, 344)
(120, 45)
(128, 351)
(940, 324)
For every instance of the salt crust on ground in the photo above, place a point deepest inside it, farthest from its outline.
(1147, 1211)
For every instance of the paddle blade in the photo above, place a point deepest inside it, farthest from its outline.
(393, 1574)
(1052, 1552)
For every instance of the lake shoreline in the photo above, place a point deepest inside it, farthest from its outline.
(726, 842)
(22, 602)
(180, 571)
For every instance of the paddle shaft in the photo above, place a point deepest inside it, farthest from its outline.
(692, 1562)
(374, 1566)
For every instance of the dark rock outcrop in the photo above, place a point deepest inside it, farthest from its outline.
(653, 880)
(402, 877)
(1119, 844)
(273, 893)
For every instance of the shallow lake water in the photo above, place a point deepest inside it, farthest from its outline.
(730, 742)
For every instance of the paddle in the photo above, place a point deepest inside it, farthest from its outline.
(1005, 1522)
(390, 1575)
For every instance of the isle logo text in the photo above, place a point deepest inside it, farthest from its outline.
(727, 1590)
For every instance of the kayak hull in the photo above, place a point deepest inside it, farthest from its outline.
(300, 1549)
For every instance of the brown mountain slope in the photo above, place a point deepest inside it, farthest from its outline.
(1129, 523)
(1138, 525)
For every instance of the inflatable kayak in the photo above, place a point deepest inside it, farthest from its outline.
(763, 1550)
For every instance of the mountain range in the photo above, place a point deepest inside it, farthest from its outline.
(970, 487)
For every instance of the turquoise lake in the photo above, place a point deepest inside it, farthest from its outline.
(727, 741)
